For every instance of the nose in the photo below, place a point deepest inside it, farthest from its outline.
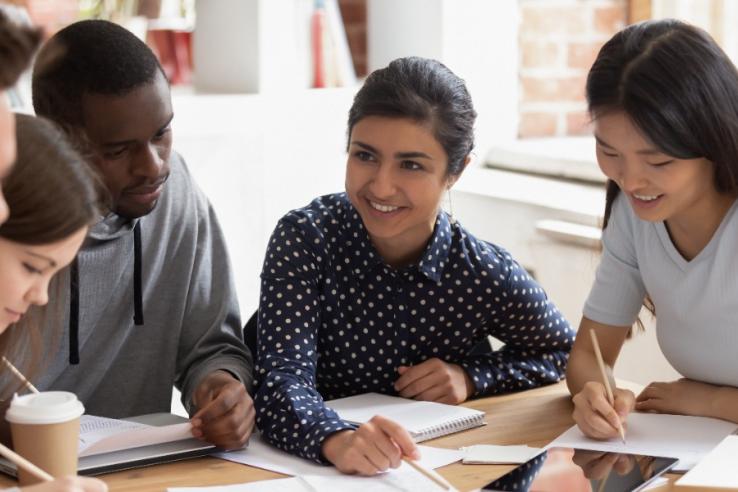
(38, 294)
(148, 163)
(4, 211)
(383, 182)
(630, 177)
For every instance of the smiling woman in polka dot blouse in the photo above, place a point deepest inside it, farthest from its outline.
(377, 289)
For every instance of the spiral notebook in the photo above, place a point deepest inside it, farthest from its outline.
(423, 419)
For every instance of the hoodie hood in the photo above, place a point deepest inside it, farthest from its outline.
(112, 226)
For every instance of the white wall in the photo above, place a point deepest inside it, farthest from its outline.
(476, 39)
(259, 156)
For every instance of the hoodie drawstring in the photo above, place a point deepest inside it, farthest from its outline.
(138, 317)
(74, 313)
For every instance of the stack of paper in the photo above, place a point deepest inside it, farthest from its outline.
(717, 470)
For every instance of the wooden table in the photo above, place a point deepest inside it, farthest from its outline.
(532, 417)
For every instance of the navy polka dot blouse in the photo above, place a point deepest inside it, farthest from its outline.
(335, 320)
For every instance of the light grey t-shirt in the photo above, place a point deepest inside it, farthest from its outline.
(696, 301)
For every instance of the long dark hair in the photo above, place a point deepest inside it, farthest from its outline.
(425, 91)
(51, 195)
(678, 88)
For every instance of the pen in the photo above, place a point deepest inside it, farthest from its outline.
(19, 375)
(608, 389)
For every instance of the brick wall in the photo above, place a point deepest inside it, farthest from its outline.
(51, 15)
(559, 40)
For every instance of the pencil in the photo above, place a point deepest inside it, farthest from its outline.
(608, 388)
(21, 462)
(429, 474)
(19, 375)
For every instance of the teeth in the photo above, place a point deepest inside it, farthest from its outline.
(646, 198)
(383, 208)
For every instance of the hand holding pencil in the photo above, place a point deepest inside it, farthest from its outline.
(600, 408)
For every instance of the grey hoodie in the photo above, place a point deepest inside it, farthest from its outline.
(188, 321)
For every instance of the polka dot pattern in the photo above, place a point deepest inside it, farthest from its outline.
(335, 321)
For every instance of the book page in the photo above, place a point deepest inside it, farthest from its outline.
(99, 435)
(674, 436)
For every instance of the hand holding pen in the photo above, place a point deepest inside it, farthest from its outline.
(600, 408)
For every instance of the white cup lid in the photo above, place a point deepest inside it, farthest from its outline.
(48, 407)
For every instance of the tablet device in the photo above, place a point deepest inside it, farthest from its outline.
(568, 469)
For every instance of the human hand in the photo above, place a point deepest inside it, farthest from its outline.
(374, 447)
(682, 397)
(69, 484)
(435, 380)
(595, 416)
(225, 415)
(597, 465)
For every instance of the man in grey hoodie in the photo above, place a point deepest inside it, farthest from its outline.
(150, 301)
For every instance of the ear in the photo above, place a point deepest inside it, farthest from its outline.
(451, 180)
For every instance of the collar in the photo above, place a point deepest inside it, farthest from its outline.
(363, 258)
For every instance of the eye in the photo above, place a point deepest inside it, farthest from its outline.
(661, 163)
(363, 155)
(31, 269)
(115, 153)
(411, 165)
(162, 133)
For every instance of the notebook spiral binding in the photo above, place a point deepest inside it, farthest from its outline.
(456, 425)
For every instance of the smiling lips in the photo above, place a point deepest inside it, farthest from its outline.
(382, 208)
(646, 198)
(15, 315)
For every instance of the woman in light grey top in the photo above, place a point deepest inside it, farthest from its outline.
(664, 101)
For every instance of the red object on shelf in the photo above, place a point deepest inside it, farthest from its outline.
(317, 27)
(174, 49)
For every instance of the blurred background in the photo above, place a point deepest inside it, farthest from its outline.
(262, 89)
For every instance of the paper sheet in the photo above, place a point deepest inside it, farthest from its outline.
(717, 469)
(261, 454)
(99, 435)
(405, 480)
(277, 485)
(499, 455)
(677, 436)
(401, 480)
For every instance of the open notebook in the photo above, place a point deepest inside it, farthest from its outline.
(423, 419)
(107, 445)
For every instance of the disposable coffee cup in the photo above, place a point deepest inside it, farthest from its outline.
(45, 430)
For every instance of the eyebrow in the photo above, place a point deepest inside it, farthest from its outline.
(399, 155)
(52, 263)
(641, 152)
(126, 142)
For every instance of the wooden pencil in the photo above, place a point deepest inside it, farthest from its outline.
(429, 474)
(21, 462)
(19, 375)
(605, 378)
